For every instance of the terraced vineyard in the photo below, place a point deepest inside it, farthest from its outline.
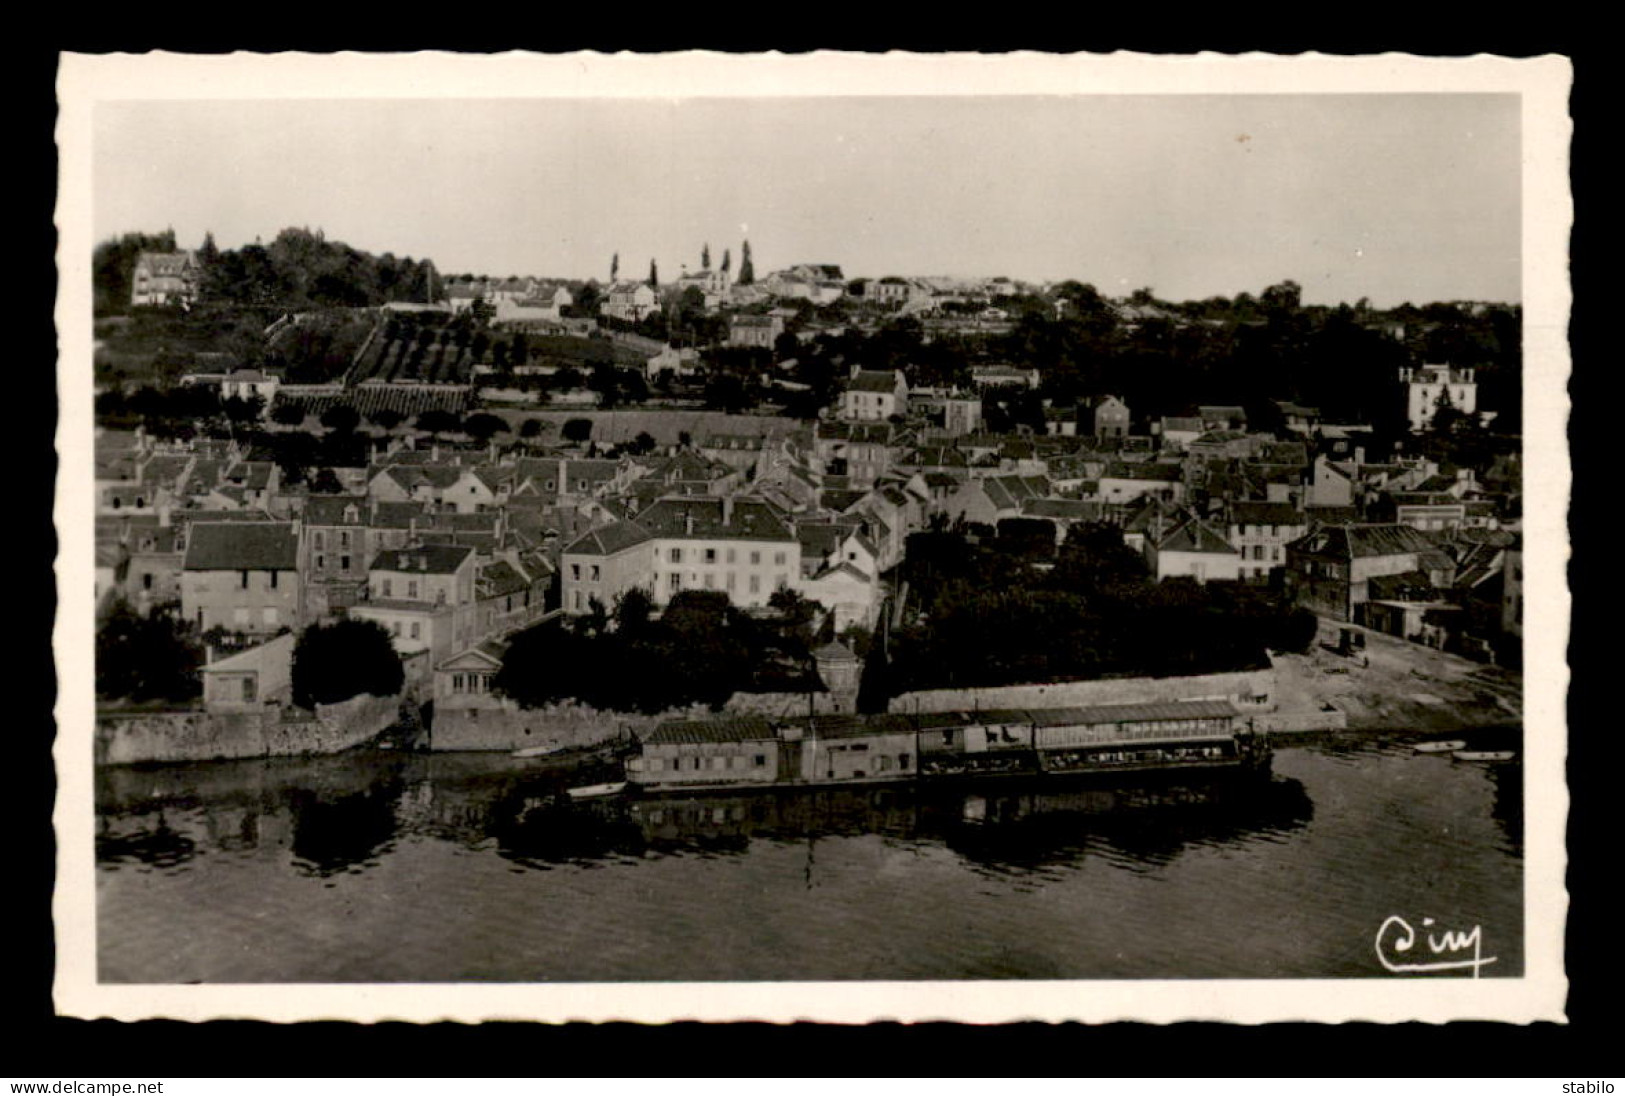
(409, 400)
(441, 360)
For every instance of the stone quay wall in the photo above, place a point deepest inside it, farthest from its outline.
(213, 736)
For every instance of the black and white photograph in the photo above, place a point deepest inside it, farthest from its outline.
(847, 536)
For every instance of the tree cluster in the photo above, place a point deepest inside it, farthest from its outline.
(140, 658)
(987, 616)
(334, 662)
(701, 650)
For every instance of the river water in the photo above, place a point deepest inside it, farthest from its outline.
(377, 867)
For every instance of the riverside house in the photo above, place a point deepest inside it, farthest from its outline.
(242, 576)
(1330, 570)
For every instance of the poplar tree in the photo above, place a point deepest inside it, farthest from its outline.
(705, 257)
(654, 275)
(747, 274)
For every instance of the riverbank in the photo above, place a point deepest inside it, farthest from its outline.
(1393, 684)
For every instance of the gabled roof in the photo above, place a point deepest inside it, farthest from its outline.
(1360, 541)
(711, 518)
(872, 380)
(1195, 536)
(693, 732)
(330, 509)
(609, 539)
(1264, 513)
(429, 559)
(242, 546)
(499, 579)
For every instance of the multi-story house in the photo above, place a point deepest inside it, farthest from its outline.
(335, 545)
(743, 547)
(630, 301)
(874, 395)
(1434, 386)
(161, 279)
(1193, 549)
(242, 576)
(1260, 532)
(424, 596)
(1330, 569)
(1104, 417)
(757, 331)
(861, 452)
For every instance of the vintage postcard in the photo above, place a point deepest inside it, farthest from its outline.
(829, 537)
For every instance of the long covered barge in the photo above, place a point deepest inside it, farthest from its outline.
(940, 747)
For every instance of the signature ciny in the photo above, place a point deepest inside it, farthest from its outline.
(1397, 941)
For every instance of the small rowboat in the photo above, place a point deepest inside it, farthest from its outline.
(1446, 746)
(593, 791)
(1485, 755)
(536, 751)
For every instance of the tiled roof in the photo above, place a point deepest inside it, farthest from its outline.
(707, 517)
(242, 546)
(609, 539)
(691, 732)
(1195, 536)
(1166, 473)
(1264, 513)
(500, 579)
(1353, 541)
(429, 559)
(1132, 713)
(329, 509)
(872, 380)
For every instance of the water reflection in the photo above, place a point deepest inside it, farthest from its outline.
(334, 818)
(344, 833)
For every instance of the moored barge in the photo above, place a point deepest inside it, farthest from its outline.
(942, 747)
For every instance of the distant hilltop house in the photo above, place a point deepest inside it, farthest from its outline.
(712, 284)
(821, 283)
(762, 331)
(161, 279)
(1104, 416)
(1434, 386)
(629, 301)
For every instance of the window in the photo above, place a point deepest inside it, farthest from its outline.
(575, 572)
(319, 541)
(676, 555)
(416, 630)
(344, 539)
(730, 555)
(710, 580)
(250, 689)
(244, 580)
(344, 563)
(273, 579)
(411, 587)
(761, 761)
(321, 563)
(387, 590)
(146, 581)
(395, 628)
(778, 559)
(674, 581)
(710, 555)
(729, 582)
(783, 581)
(755, 558)
(595, 576)
(755, 584)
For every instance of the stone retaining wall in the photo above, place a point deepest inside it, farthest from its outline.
(210, 736)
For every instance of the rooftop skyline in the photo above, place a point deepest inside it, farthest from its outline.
(1389, 197)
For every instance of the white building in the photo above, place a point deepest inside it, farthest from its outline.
(1434, 386)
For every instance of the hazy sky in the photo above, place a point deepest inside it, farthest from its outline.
(1392, 197)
